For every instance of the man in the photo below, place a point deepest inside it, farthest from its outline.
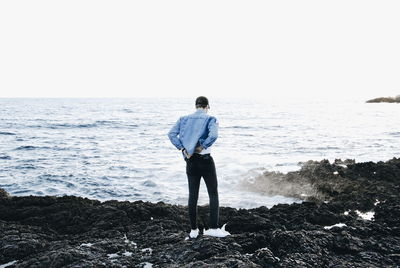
(194, 134)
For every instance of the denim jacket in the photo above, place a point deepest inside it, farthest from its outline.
(193, 130)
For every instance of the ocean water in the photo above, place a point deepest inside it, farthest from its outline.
(119, 149)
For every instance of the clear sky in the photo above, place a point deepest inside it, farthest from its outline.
(260, 49)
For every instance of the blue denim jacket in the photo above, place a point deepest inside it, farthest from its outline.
(193, 130)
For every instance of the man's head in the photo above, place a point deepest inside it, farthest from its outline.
(202, 102)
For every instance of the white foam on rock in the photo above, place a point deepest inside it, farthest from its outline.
(7, 264)
(86, 245)
(126, 240)
(376, 202)
(367, 215)
(340, 225)
(147, 265)
(127, 253)
(113, 255)
(149, 250)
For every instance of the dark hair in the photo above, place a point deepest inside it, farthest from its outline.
(201, 102)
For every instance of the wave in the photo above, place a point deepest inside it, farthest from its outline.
(31, 147)
(245, 135)
(239, 127)
(396, 134)
(66, 125)
(26, 147)
(106, 122)
(127, 111)
(95, 124)
(328, 148)
(63, 126)
(25, 166)
(149, 183)
(22, 191)
(105, 194)
(56, 179)
(7, 133)
(5, 157)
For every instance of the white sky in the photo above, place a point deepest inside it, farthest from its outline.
(260, 49)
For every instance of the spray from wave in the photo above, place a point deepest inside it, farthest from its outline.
(314, 181)
(277, 183)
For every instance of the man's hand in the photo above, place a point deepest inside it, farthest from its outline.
(186, 153)
(199, 149)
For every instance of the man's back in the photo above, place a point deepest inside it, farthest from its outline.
(196, 129)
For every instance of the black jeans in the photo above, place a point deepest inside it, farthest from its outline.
(199, 166)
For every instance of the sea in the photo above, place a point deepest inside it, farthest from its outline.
(118, 149)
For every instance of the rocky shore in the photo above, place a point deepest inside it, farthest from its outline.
(385, 99)
(350, 218)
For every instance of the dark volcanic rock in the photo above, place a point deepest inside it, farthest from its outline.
(78, 232)
(385, 99)
(3, 194)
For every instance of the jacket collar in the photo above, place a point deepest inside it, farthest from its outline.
(199, 110)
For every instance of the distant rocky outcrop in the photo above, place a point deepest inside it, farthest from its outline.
(3, 194)
(350, 218)
(385, 99)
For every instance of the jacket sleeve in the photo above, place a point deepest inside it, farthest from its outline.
(173, 135)
(212, 133)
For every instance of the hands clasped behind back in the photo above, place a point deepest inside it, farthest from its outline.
(197, 150)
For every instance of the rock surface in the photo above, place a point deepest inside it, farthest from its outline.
(385, 99)
(78, 232)
(3, 194)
